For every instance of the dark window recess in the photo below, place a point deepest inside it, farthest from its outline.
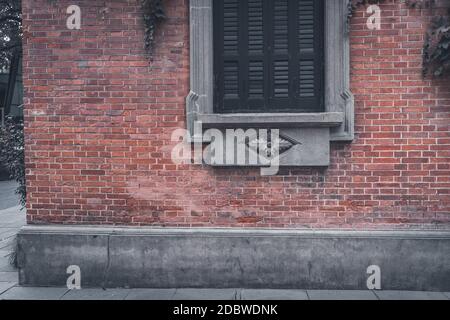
(268, 55)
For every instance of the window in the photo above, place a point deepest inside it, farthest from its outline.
(278, 64)
(268, 56)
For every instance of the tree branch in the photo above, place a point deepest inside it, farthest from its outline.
(10, 18)
(10, 47)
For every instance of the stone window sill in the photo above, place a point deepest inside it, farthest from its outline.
(267, 120)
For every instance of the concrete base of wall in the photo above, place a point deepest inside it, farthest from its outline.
(230, 258)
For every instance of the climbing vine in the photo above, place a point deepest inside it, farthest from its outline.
(154, 14)
(436, 54)
(436, 49)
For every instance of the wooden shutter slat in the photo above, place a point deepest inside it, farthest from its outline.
(268, 55)
(279, 82)
(255, 27)
(228, 66)
(256, 72)
(310, 61)
(243, 56)
(305, 38)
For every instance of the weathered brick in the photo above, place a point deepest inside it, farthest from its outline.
(99, 117)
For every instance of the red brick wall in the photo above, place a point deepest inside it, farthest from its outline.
(99, 117)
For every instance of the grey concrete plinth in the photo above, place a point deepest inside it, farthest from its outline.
(230, 258)
(96, 294)
(151, 294)
(54, 253)
(24, 293)
(410, 295)
(273, 294)
(341, 295)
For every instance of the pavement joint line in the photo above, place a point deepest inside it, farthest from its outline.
(2, 293)
(126, 296)
(67, 291)
(376, 295)
(174, 294)
(60, 298)
(8, 238)
(307, 295)
(237, 296)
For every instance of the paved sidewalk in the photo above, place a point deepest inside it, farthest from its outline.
(8, 196)
(13, 292)
(11, 219)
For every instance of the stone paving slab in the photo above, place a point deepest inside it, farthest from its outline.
(205, 294)
(9, 291)
(16, 225)
(341, 295)
(4, 286)
(5, 245)
(267, 294)
(25, 293)
(151, 294)
(7, 233)
(14, 222)
(96, 294)
(410, 295)
(5, 266)
(10, 276)
(12, 215)
(11, 220)
(4, 253)
(8, 194)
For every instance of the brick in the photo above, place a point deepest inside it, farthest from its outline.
(99, 116)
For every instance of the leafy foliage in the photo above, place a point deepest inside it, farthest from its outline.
(10, 30)
(153, 15)
(12, 154)
(12, 255)
(436, 50)
(437, 47)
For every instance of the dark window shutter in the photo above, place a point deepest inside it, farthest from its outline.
(268, 55)
(310, 46)
(227, 62)
(256, 49)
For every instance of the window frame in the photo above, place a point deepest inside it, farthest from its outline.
(339, 102)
